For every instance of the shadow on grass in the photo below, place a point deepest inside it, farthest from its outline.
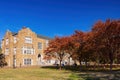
(86, 74)
(100, 75)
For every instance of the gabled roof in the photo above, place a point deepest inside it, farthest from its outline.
(39, 36)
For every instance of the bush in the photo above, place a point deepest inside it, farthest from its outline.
(2, 60)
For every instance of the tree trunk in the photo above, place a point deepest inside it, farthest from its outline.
(94, 66)
(69, 61)
(86, 64)
(80, 66)
(111, 61)
(60, 65)
(104, 66)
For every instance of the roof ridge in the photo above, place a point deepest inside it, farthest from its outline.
(44, 37)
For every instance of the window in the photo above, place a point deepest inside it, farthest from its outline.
(6, 51)
(28, 40)
(28, 50)
(48, 61)
(15, 39)
(27, 61)
(39, 45)
(47, 43)
(15, 50)
(7, 41)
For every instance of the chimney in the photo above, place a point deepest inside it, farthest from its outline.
(24, 27)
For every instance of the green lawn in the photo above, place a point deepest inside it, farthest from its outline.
(37, 73)
(34, 74)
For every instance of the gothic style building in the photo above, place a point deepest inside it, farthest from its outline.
(25, 48)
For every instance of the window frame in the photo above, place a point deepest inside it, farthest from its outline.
(40, 45)
(28, 50)
(28, 40)
(27, 61)
(15, 39)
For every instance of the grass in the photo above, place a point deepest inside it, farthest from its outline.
(46, 73)
(35, 73)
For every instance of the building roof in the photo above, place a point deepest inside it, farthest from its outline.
(14, 33)
(39, 36)
(43, 37)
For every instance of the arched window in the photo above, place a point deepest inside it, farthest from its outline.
(39, 55)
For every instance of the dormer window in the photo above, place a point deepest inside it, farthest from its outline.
(28, 40)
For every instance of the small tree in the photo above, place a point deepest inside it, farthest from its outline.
(78, 40)
(57, 49)
(2, 60)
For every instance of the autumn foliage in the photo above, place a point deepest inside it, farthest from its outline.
(100, 45)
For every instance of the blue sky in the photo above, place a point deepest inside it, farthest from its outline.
(55, 17)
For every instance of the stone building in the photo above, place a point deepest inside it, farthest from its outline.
(24, 48)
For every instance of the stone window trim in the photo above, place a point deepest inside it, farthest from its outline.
(28, 40)
(39, 45)
(28, 50)
(15, 39)
(27, 61)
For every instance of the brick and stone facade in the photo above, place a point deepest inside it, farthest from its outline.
(24, 48)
